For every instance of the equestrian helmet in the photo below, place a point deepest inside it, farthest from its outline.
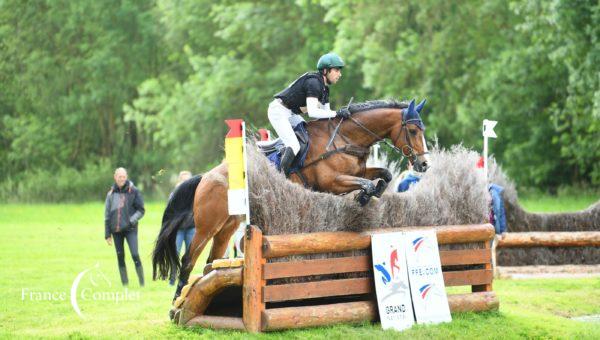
(330, 60)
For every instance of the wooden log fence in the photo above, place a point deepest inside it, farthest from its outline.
(321, 297)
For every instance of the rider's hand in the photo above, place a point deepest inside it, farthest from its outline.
(343, 112)
(109, 240)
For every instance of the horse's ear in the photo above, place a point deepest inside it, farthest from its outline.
(411, 106)
(420, 106)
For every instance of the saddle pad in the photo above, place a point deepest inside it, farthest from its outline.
(298, 163)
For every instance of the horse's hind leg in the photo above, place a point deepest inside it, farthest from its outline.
(221, 240)
(383, 174)
(189, 260)
(210, 215)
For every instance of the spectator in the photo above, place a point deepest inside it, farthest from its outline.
(124, 208)
(408, 178)
(185, 232)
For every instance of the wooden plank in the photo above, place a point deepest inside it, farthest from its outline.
(227, 263)
(309, 290)
(322, 315)
(360, 311)
(451, 234)
(488, 266)
(306, 290)
(252, 303)
(328, 242)
(465, 256)
(550, 239)
(362, 263)
(468, 277)
(314, 243)
(217, 322)
(317, 267)
(474, 302)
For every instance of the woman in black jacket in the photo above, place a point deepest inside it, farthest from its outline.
(124, 208)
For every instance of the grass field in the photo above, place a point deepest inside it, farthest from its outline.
(545, 203)
(45, 247)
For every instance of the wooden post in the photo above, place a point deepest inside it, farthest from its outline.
(488, 266)
(494, 253)
(252, 284)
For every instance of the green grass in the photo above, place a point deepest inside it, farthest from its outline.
(559, 203)
(44, 247)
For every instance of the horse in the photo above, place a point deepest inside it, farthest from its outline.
(335, 163)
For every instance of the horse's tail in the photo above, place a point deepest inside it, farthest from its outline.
(179, 212)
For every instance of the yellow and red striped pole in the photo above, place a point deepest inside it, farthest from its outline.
(235, 156)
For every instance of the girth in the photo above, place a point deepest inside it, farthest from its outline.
(349, 149)
(352, 150)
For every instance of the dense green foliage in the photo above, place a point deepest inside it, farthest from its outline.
(147, 84)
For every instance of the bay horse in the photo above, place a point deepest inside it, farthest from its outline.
(340, 170)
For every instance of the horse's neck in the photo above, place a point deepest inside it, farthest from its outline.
(378, 122)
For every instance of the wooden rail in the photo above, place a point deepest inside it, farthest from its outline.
(356, 312)
(331, 242)
(550, 239)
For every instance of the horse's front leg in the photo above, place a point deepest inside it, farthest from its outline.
(383, 174)
(347, 183)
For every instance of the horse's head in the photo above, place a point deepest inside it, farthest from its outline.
(411, 137)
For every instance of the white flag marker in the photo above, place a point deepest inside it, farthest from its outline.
(488, 132)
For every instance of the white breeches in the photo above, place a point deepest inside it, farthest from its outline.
(279, 116)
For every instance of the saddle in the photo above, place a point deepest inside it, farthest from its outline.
(272, 149)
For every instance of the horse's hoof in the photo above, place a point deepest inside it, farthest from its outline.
(370, 189)
(362, 198)
(380, 188)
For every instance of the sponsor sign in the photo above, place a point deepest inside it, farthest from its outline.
(391, 281)
(428, 291)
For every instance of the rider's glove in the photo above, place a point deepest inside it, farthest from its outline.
(343, 112)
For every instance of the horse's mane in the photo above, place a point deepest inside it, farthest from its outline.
(377, 104)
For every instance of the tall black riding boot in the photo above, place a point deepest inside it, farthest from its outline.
(287, 157)
(123, 273)
(140, 273)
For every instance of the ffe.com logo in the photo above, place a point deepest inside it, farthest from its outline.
(89, 285)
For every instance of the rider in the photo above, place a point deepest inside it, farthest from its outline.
(307, 94)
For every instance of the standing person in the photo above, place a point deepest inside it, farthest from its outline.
(307, 94)
(185, 233)
(408, 178)
(124, 208)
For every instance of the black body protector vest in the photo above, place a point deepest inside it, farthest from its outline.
(310, 84)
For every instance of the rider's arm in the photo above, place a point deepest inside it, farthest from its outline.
(313, 110)
(327, 107)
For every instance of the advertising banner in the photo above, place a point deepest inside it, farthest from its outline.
(391, 281)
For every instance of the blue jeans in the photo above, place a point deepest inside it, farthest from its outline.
(182, 235)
